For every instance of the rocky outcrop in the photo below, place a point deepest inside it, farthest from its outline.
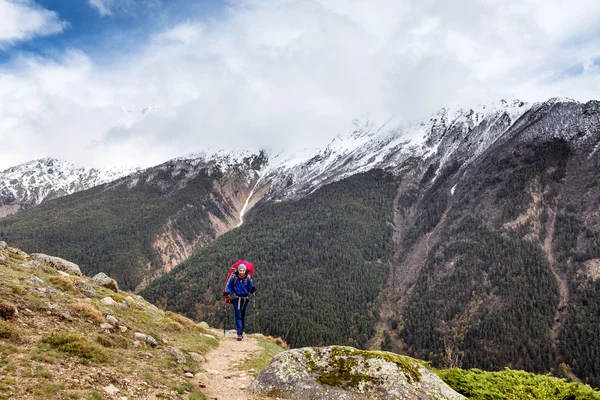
(104, 280)
(57, 263)
(85, 288)
(338, 372)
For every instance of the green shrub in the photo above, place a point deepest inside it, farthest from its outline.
(513, 385)
(75, 345)
(8, 332)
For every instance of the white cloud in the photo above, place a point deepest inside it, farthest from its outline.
(109, 7)
(103, 6)
(295, 73)
(24, 19)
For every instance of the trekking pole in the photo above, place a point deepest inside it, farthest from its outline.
(225, 320)
(254, 310)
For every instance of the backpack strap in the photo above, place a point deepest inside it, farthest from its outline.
(247, 279)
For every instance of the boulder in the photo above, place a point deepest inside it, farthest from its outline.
(3, 245)
(146, 338)
(177, 354)
(338, 372)
(111, 319)
(85, 288)
(199, 359)
(109, 301)
(57, 263)
(107, 327)
(101, 279)
(203, 325)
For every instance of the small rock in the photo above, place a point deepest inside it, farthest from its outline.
(57, 263)
(179, 356)
(141, 305)
(122, 328)
(101, 279)
(136, 343)
(206, 335)
(197, 357)
(189, 375)
(112, 319)
(225, 355)
(165, 341)
(109, 301)
(204, 325)
(34, 281)
(3, 245)
(252, 370)
(86, 289)
(54, 309)
(129, 298)
(140, 298)
(110, 389)
(146, 338)
(106, 326)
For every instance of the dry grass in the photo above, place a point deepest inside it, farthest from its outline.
(7, 310)
(278, 341)
(88, 310)
(185, 321)
(8, 332)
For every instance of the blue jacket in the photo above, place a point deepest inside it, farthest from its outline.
(241, 288)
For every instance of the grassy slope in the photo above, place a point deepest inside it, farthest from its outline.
(43, 355)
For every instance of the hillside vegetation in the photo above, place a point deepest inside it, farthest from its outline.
(53, 344)
(112, 228)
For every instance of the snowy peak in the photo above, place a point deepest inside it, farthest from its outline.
(35, 181)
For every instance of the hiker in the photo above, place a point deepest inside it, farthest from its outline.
(238, 288)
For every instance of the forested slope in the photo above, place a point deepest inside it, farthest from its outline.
(129, 228)
(320, 264)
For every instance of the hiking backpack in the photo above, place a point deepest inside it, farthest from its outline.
(234, 267)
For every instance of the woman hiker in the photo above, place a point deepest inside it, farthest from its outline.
(237, 290)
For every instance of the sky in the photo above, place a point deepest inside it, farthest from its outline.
(137, 82)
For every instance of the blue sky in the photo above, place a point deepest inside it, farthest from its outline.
(113, 82)
(106, 37)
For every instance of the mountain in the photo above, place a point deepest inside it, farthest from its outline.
(142, 225)
(27, 185)
(490, 258)
(470, 240)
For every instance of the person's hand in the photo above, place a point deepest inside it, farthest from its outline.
(253, 289)
(227, 299)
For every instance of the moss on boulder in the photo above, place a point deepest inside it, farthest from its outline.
(339, 372)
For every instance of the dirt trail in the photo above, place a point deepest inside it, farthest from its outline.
(222, 381)
(562, 282)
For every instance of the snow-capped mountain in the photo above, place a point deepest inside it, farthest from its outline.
(31, 183)
(460, 134)
(389, 145)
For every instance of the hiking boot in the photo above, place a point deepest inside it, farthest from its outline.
(239, 338)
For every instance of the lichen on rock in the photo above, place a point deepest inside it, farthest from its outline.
(57, 263)
(339, 372)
